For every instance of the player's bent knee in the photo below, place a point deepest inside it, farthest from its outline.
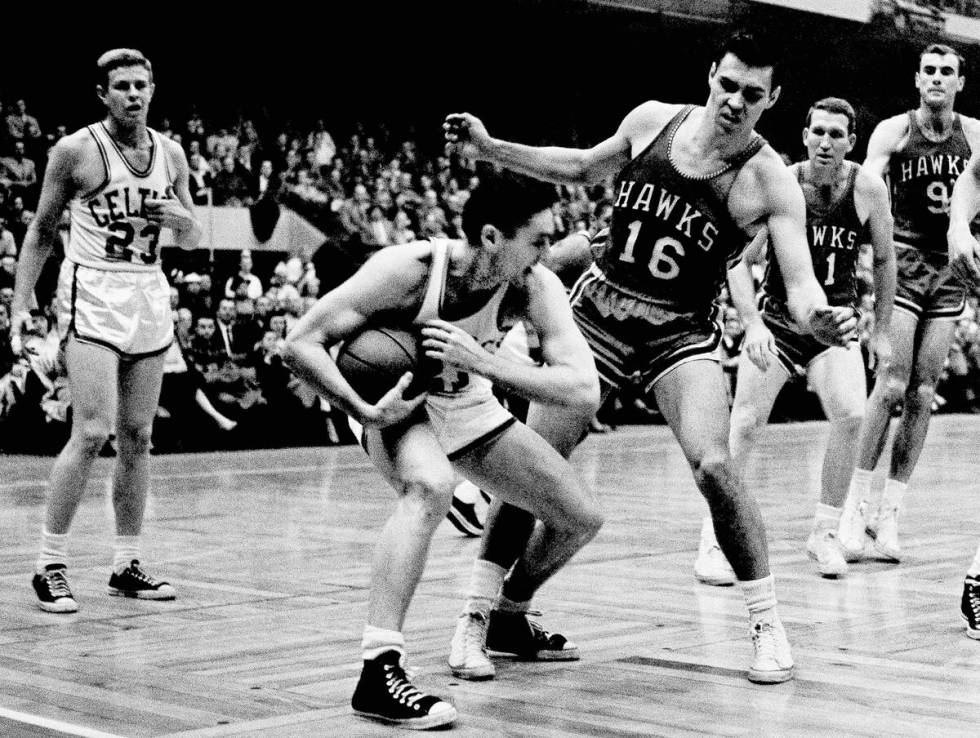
(429, 497)
(894, 393)
(135, 439)
(921, 395)
(91, 436)
(714, 470)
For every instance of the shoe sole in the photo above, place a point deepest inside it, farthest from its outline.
(888, 555)
(475, 674)
(770, 677)
(827, 573)
(715, 581)
(141, 594)
(422, 723)
(973, 633)
(52, 607)
(569, 655)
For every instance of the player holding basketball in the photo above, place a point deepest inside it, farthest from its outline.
(921, 152)
(467, 294)
(123, 183)
(846, 207)
(694, 185)
(963, 263)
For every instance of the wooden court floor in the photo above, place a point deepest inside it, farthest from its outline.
(270, 552)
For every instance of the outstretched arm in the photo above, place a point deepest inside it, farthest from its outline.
(550, 163)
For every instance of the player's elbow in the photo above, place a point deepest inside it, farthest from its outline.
(584, 394)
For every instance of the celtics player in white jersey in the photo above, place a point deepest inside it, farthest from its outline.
(123, 183)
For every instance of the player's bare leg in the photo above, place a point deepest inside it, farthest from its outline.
(410, 458)
(886, 395)
(139, 393)
(910, 435)
(754, 398)
(838, 378)
(693, 401)
(94, 404)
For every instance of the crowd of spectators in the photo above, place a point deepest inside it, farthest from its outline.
(225, 384)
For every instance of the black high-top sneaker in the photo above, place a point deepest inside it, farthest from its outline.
(515, 635)
(384, 693)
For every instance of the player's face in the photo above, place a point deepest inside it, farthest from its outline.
(527, 246)
(127, 94)
(827, 140)
(739, 94)
(938, 79)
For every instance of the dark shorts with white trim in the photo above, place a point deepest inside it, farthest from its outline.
(794, 348)
(635, 339)
(925, 286)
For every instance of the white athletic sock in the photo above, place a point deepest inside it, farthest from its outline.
(860, 487)
(974, 570)
(124, 550)
(827, 516)
(54, 550)
(375, 641)
(486, 579)
(760, 596)
(508, 605)
(891, 499)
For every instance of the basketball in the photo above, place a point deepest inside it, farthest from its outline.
(373, 361)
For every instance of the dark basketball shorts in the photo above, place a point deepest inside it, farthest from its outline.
(925, 286)
(630, 335)
(794, 348)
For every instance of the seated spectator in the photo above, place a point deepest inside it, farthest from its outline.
(18, 121)
(236, 341)
(8, 270)
(230, 187)
(401, 229)
(267, 182)
(183, 404)
(19, 173)
(205, 351)
(200, 179)
(244, 276)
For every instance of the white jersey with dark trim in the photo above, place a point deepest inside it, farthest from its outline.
(109, 229)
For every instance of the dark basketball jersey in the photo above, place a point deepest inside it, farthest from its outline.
(672, 237)
(922, 176)
(835, 235)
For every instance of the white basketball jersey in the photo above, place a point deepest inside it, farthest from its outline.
(483, 325)
(109, 229)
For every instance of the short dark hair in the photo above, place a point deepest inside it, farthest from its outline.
(943, 49)
(753, 50)
(507, 201)
(116, 58)
(836, 105)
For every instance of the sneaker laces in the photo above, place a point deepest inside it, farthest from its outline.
(475, 634)
(57, 584)
(764, 639)
(973, 598)
(399, 687)
(141, 575)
